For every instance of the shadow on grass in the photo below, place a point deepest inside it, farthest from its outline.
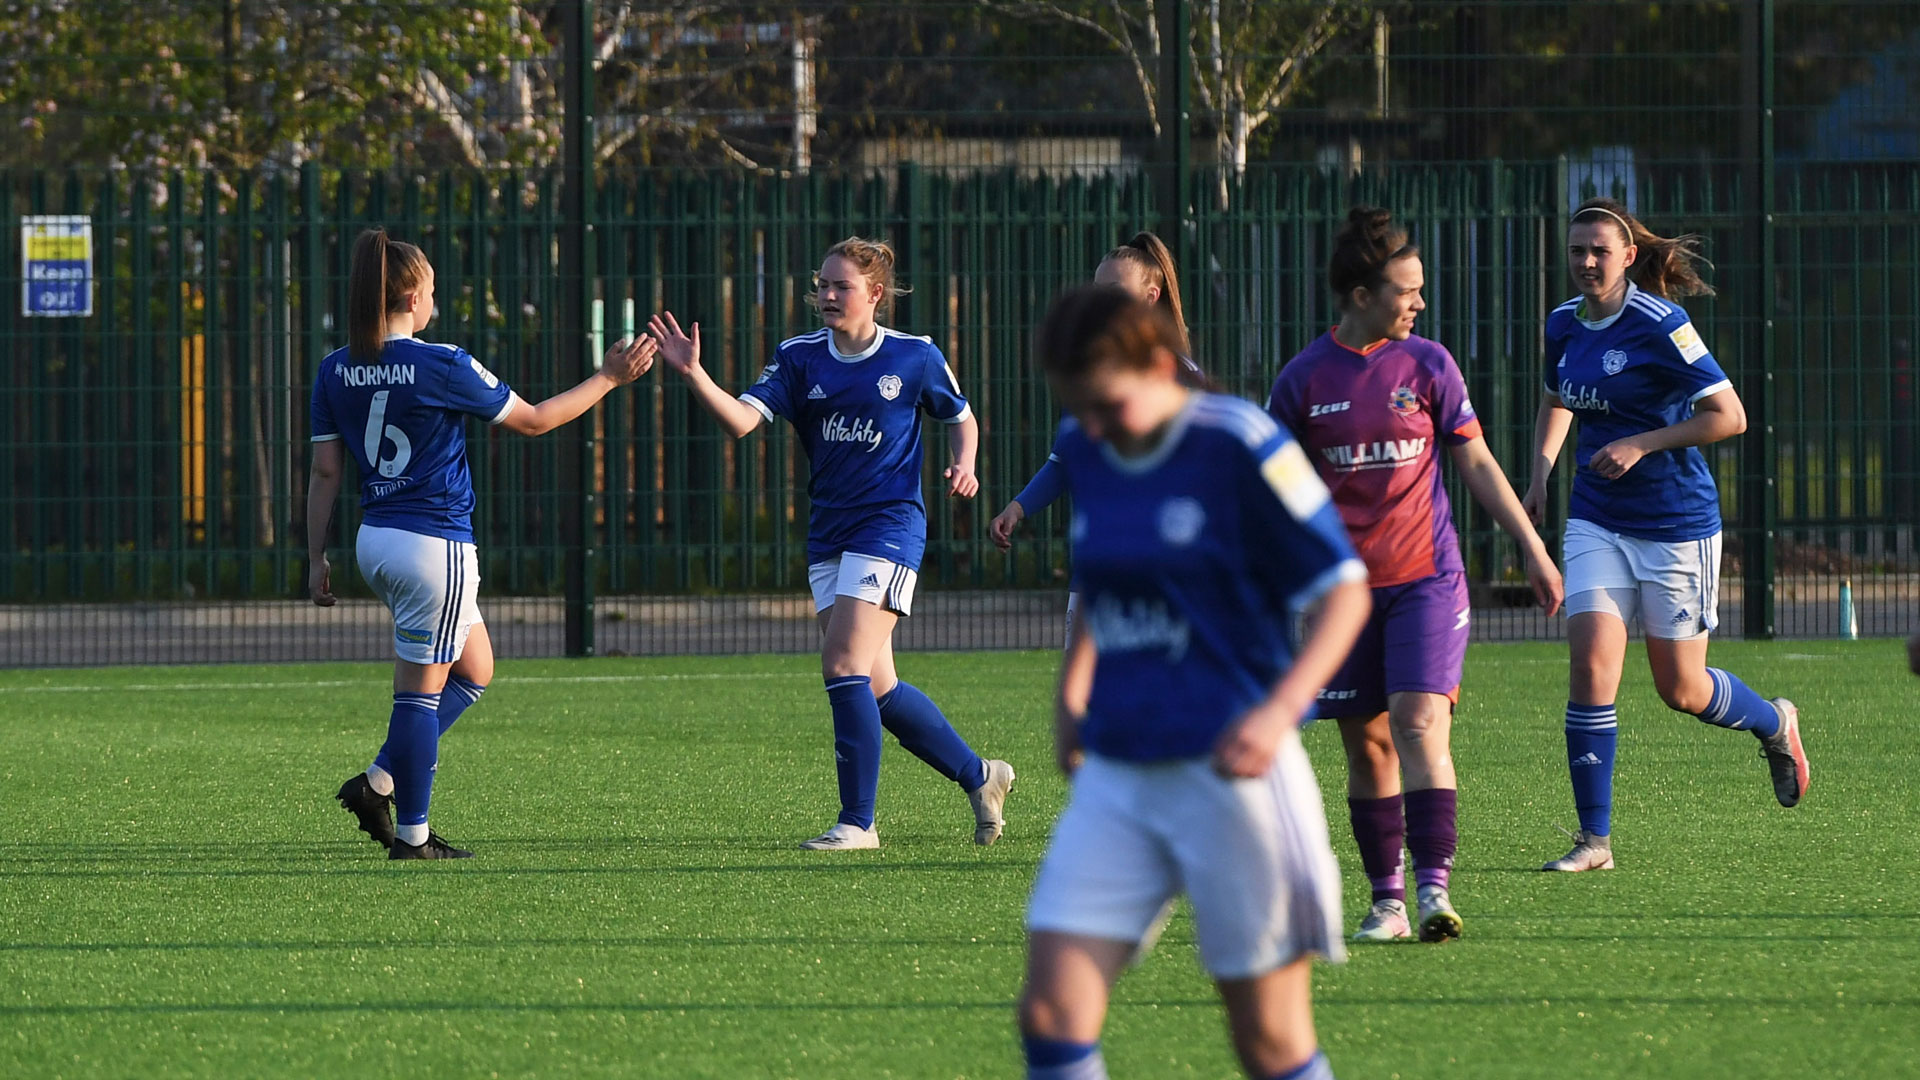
(331, 865)
(675, 941)
(841, 1008)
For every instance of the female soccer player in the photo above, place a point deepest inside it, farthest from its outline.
(854, 392)
(397, 403)
(1199, 531)
(1373, 403)
(1144, 268)
(1643, 528)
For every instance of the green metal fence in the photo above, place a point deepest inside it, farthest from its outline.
(152, 457)
(164, 461)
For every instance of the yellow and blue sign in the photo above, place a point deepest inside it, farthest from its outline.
(56, 265)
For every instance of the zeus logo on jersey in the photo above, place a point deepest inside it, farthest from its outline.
(837, 428)
(1138, 625)
(1585, 397)
(1386, 454)
(1333, 407)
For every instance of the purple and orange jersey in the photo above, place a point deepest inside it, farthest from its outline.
(1370, 422)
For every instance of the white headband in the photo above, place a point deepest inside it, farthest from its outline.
(1624, 227)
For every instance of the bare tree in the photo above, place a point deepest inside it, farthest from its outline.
(1250, 59)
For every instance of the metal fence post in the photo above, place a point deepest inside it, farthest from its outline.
(1759, 452)
(1175, 145)
(576, 322)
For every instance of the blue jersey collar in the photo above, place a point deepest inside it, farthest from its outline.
(1154, 458)
(879, 336)
(1632, 291)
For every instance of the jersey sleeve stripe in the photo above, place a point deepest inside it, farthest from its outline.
(1241, 419)
(1650, 307)
(758, 405)
(1723, 384)
(325, 438)
(961, 417)
(506, 408)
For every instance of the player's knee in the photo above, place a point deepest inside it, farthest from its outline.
(476, 670)
(1043, 1014)
(1421, 723)
(1267, 1049)
(1687, 696)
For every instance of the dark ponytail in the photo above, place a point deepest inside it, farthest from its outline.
(1362, 250)
(1666, 266)
(1150, 254)
(383, 272)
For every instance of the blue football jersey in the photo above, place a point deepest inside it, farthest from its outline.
(858, 418)
(1638, 370)
(1192, 562)
(401, 419)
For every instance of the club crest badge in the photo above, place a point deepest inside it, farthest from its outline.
(1181, 520)
(1404, 401)
(1613, 362)
(889, 386)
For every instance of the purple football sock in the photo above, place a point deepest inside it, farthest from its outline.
(1432, 834)
(1379, 827)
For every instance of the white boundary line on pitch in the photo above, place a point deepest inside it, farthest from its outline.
(512, 680)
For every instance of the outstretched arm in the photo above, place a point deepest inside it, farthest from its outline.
(625, 362)
(682, 354)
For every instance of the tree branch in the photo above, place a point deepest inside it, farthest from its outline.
(426, 90)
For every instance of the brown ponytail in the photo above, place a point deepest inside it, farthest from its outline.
(1666, 266)
(383, 272)
(1146, 251)
(1362, 249)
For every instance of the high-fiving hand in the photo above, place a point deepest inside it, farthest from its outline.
(682, 353)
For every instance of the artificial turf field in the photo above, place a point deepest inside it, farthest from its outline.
(180, 895)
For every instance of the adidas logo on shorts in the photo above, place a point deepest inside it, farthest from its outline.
(871, 581)
(816, 394)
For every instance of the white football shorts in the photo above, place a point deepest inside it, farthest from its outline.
(432, 586)
(1672, 588)
(1252, 856)
(863, 577)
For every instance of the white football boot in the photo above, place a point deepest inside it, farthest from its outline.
(989, 803)
(1589, 853)
(1386, 921)
(844, 837)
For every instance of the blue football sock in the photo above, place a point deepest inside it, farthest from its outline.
(413, 742)
(1593, 731)
(1314, 1068)
(1058, 1059)
(856, 746)
(1737, 705)
(923, 729)
(458, 695)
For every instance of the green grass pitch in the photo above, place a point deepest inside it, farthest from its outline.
(180, 896)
